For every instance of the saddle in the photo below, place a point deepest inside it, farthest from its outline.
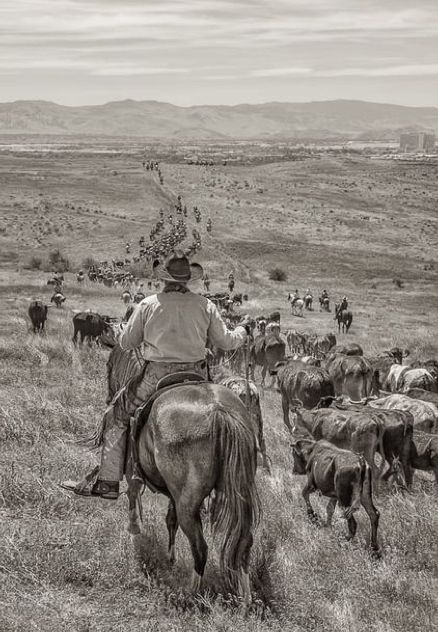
(167, 383)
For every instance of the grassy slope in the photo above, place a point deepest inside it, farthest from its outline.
(68, 564)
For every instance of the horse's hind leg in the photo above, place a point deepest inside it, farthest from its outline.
(244, 581)
(172, 527)
(190, 520)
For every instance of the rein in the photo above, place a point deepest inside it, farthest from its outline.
(247, 368)
(231, 358)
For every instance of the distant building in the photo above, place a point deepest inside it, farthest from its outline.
(417, 141)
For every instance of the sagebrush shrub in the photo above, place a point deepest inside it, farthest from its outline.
(277, 274)
(35, 263)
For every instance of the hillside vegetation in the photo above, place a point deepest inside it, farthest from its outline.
(349, 225)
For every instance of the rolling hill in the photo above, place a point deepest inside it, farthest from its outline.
(152, 119)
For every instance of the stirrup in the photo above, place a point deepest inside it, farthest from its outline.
(83, 487)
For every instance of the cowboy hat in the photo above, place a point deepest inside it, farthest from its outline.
(177, 269)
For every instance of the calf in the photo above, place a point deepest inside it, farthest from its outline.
(342, 476)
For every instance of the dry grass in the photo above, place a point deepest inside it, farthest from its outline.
(68, 563)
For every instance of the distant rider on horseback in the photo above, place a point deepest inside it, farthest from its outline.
(175, 327)
(343, 305)
(308, 299)
(295, 298)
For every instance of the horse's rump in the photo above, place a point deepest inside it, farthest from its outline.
(199, 438)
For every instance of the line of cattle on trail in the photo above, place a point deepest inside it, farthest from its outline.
(347, 407)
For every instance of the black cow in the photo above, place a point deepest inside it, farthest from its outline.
(38, 316)
(310, 385)
(91, 326)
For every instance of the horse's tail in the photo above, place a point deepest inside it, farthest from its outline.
(237, 506)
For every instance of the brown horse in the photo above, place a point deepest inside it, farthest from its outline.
(198, 439)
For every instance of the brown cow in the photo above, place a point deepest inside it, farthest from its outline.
(396, 427)
(342, 476)
(266, 352)
(320, 346)
(296, 341)
(353, 376)
(382, 366)
(348, 429)
(310, 385)
(425, 414)
(431, 365)
(421, 394)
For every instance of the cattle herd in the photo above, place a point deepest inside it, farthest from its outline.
(355, 421)
(166, 235)
(168, 232)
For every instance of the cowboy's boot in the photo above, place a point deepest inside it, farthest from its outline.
(111, 469)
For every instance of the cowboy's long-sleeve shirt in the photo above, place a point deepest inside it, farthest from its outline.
(176, 327)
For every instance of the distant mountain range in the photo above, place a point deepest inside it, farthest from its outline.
(152, 119)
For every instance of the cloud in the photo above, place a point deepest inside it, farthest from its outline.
(280, 72)
(409, 70)
(229, 77)
(129, 71)
(252, 40)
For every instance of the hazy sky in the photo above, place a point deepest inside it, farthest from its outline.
(219, 51)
